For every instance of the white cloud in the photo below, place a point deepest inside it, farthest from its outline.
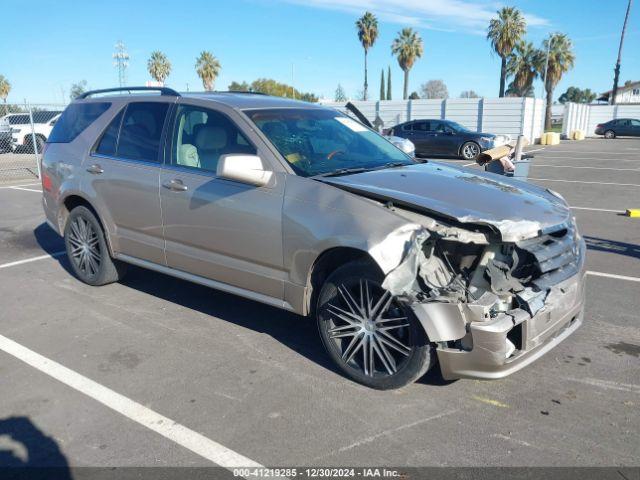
(449, 15)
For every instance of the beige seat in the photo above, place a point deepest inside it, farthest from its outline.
(211, 142)
(188, 156)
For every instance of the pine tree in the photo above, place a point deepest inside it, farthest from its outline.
(382, 93)
(389, 83)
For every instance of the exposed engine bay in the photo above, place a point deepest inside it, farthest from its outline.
(453, 276)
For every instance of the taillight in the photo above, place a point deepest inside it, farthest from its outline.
(599, 125)
(46, 182)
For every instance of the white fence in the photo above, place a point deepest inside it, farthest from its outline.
(579, 116)
(511, 116)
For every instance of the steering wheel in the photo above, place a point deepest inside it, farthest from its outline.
(333, 153)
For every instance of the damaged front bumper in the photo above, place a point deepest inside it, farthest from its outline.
(504, 310)
(503, 345)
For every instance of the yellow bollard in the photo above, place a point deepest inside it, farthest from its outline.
(633, 212)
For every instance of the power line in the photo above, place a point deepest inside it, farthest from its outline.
(121, 62)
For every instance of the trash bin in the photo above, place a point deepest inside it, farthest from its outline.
(521, 171)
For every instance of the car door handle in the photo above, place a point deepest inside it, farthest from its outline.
(175, 185)
(95, 169)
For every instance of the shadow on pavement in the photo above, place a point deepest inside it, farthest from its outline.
(22, 445)
(298, 333)
(612, 246)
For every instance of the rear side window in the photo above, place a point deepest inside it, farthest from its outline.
(109, 140)
(19, 119)
(75, 119)
(421, 126)
(141, 131)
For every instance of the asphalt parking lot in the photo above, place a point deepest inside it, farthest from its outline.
(233, 377)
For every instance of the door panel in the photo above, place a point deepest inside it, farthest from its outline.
(420, 137)
(216, 228)
(124, 174)
(223, 230)
(127, 193)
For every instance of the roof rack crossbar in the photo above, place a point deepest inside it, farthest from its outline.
(163, 91)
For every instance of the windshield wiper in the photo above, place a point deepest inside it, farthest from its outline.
(343, 171)
(393, 165)
(349, 171)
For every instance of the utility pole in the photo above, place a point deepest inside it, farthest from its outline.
(121, 62)
(616, 74)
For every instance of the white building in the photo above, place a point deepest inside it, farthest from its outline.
(627, 93)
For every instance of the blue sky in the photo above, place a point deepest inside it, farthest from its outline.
(72, 41)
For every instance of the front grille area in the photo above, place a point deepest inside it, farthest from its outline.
(556, 256)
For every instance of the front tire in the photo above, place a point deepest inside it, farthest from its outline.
(470, 150)
(87, 249)
(369, 335)
(609, 134)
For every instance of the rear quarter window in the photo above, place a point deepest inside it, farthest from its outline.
(75, 119)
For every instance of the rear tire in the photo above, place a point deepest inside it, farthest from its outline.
(609, 134)
(87, 249)
(28, 143)
(369, 335)
(470, 151)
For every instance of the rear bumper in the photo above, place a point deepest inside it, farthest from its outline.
(490, 357)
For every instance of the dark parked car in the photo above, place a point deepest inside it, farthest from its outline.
(446, 138)
(621, 127)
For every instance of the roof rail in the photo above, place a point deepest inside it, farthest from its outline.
(242, 91)
(163, 91)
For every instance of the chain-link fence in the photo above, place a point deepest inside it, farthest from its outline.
(24, 129)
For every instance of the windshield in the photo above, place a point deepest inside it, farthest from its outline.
(317, 142)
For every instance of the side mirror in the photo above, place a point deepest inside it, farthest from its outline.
(243, 168)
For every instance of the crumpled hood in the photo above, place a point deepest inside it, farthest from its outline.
(518, 210)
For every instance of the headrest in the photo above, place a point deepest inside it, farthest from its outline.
(211, 138)
(188, 156)
(274, 129)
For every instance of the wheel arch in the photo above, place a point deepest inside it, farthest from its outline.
(72, 201)
(325, 264)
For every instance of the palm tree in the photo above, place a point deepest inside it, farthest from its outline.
(504, 33)
(208, 68)
(159, 66)
(559, 59)
(521, 64)
(5, 88)
(367, 26)
(407, 47)
(616, 70)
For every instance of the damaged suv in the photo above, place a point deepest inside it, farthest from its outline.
(403, 264)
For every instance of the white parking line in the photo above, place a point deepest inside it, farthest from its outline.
(589, 168)
(598, 209)
(588, 152)
(32, 259)
(26, 189)
(581, 181)
(601, 159)
(25, 185)
(177, 433)
(611, 275)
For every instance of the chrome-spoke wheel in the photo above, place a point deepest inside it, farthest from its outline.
(85, 246)
(368, 328)
(470, 150)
